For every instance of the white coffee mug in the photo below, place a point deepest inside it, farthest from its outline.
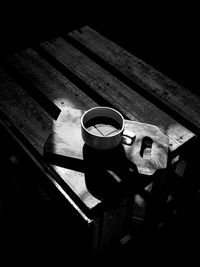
(101, 136)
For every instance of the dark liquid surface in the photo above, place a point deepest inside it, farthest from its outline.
(103, 126)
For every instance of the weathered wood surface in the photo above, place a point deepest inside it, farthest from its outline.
(178, 98)
(36, 125)
(24, 112)
(30, 101)
(55, 86)
(122, 97)
(62, 93)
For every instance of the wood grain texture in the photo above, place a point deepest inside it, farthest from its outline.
(93, 189)
(63, 93)
(159, 85)
(55, 86)
(76, 181)
(34, 123)
(122, 97)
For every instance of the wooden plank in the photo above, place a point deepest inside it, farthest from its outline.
(113, 225)
(178, 98)
(77, 182)
(24, 112)
(64, 94)
(55, 86)
(122, 97)
(35, 125)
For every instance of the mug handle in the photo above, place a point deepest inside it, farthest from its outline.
(128, 139)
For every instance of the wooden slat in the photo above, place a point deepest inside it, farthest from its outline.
(60, 90)
(168, 91)
(64, 94)
(122, 97)
(24, 112)
(77, 182)
(35, 125)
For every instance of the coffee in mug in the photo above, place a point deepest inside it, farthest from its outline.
(102, 128)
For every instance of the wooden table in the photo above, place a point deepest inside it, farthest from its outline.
(80, 70)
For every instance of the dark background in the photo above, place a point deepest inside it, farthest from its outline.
(165, 35)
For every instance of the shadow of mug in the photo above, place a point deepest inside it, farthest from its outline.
(109, 175)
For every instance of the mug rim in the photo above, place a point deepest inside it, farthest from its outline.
(103, 107)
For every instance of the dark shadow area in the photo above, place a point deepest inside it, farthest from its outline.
(108, 174)
(34, 218)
